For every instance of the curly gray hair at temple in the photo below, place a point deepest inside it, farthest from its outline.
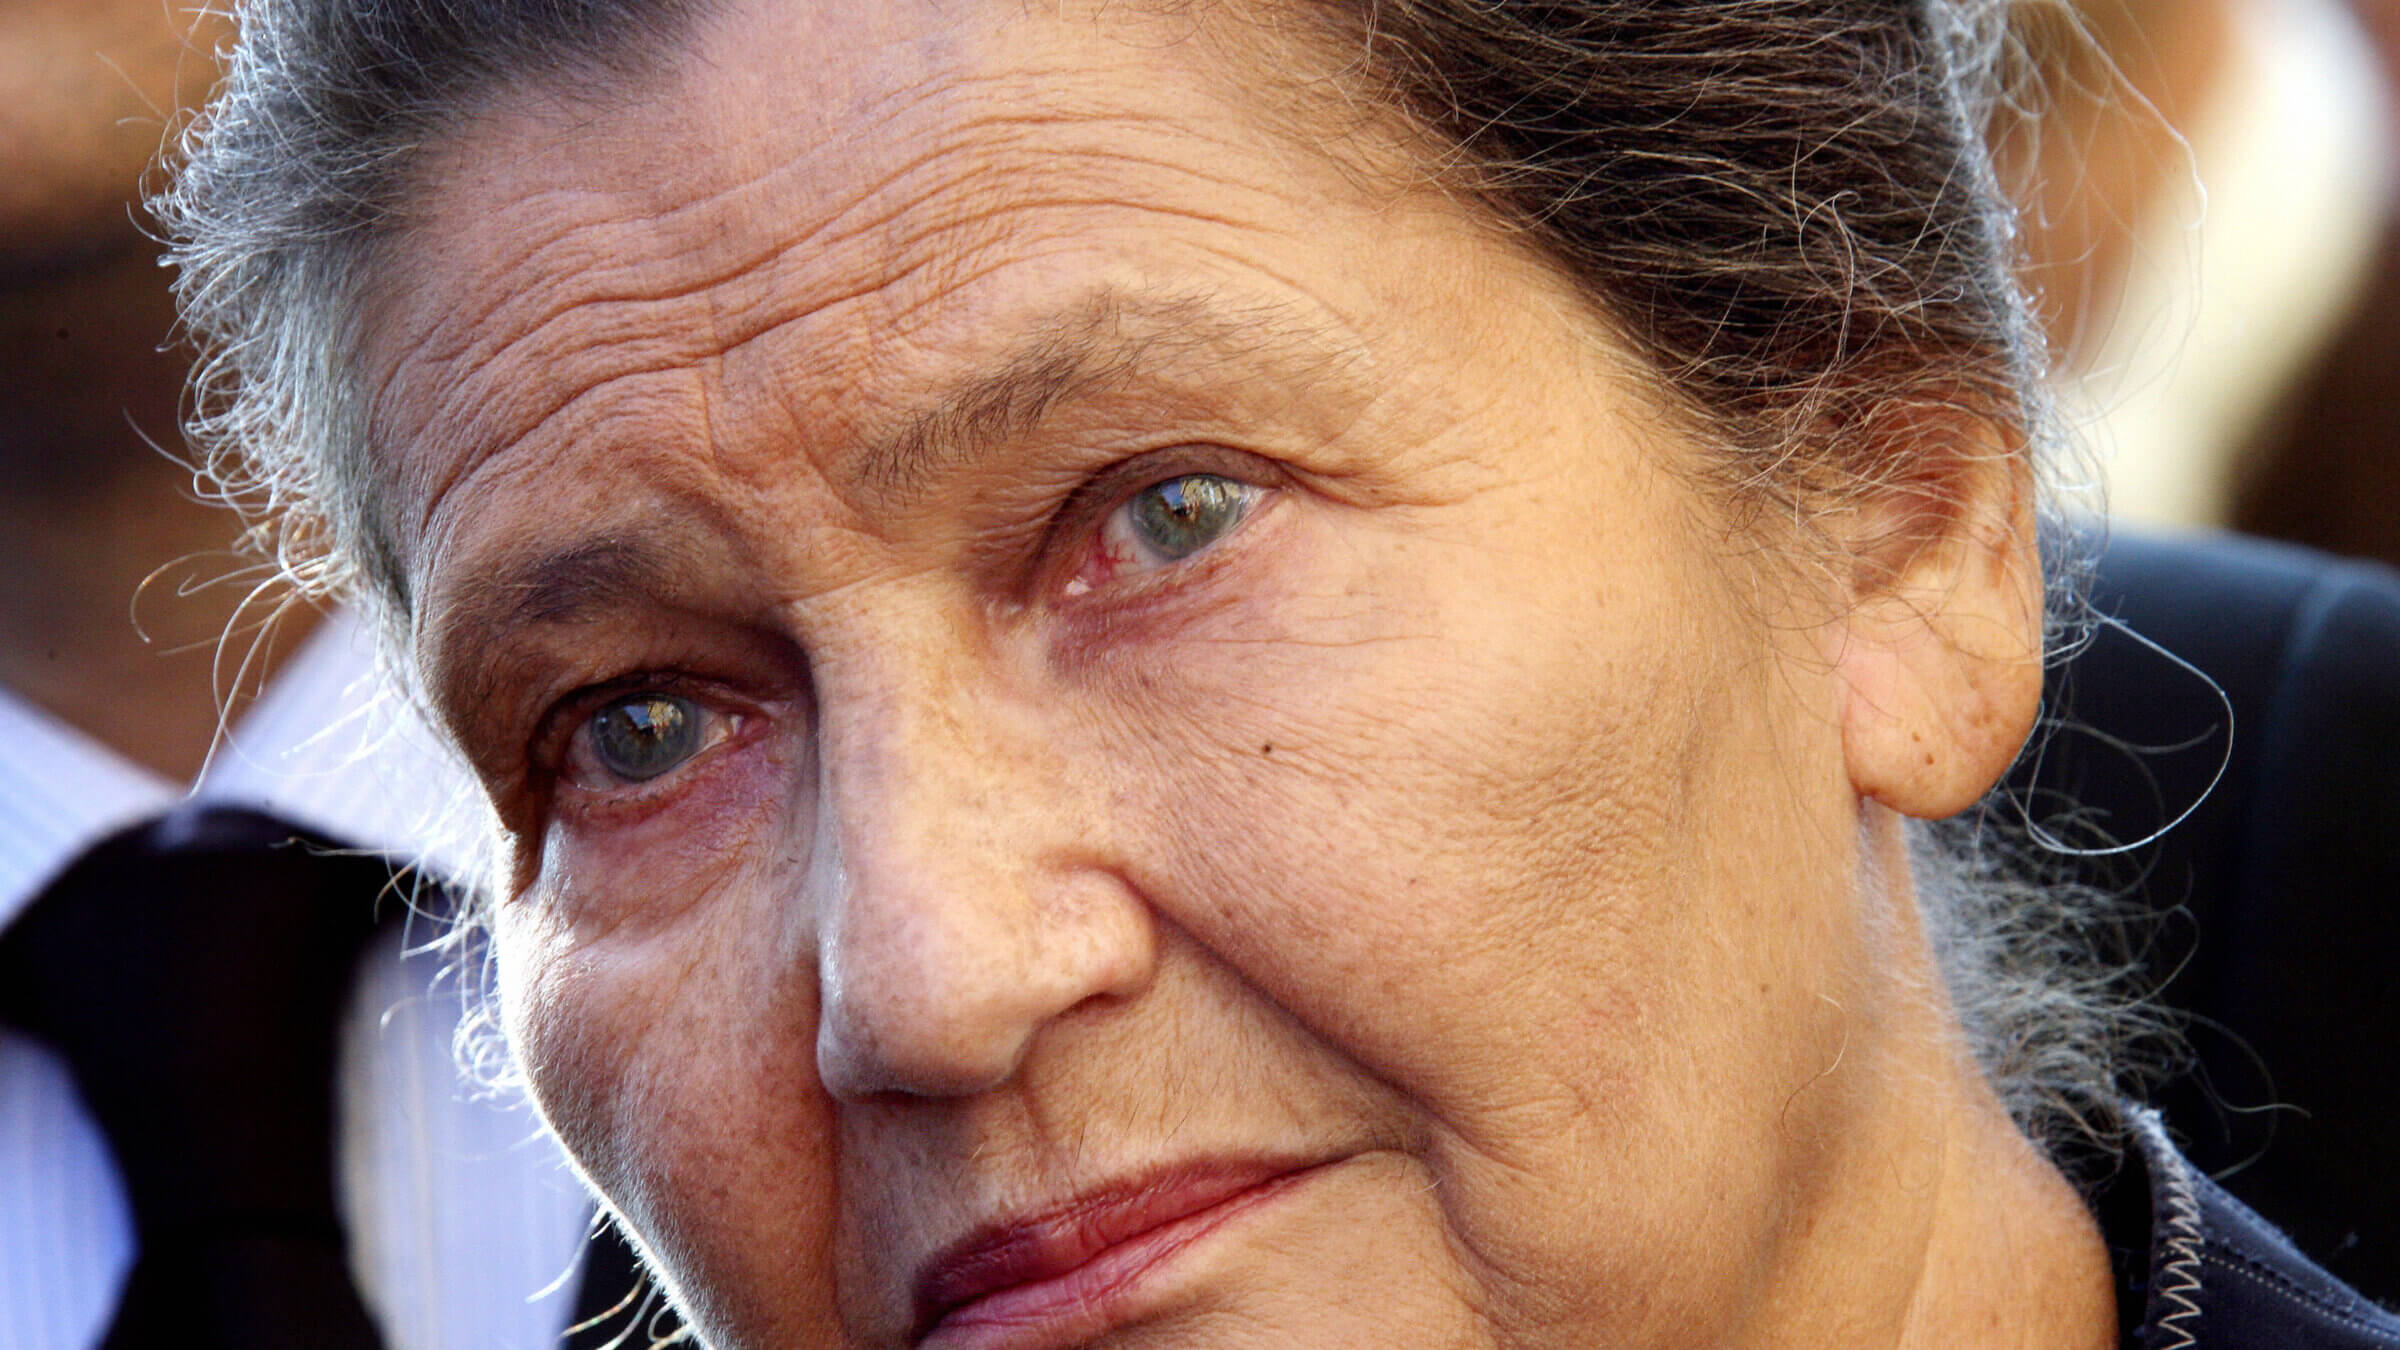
(1785, 207)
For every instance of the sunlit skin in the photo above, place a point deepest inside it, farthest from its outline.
(1472, 837)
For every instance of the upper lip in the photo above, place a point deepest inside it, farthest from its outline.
(1042, 1244)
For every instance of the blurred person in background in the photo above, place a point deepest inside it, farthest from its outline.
(2214, 239)
(2324, 469)
(2209, 184)
(454, 1212)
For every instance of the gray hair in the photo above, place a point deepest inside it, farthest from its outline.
(1786, 207)
(291, 185)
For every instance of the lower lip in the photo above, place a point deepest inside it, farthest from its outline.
(1073, 1307)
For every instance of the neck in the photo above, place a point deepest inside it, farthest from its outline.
(2011, 1256)
(121, 582)
(1929, 1220)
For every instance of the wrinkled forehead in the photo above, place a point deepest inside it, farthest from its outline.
(852, 169)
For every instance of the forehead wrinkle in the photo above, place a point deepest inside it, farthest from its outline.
(633, 234)
(700, 251)
(1099, 342)
(622, 253)
(592, 306)
(486, 440)
(586, 304)
(699, 245)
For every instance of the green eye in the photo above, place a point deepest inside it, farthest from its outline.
(645, 735)
(1172, 520)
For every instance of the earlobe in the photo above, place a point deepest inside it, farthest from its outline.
(1940, 653)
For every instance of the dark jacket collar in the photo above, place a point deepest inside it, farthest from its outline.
(2198, 1270)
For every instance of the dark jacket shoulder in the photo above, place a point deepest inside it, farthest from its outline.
(2266, 915)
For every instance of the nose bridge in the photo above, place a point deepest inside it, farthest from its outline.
(917, 748)
(961, 910)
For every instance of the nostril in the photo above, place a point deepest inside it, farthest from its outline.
(906, 1051)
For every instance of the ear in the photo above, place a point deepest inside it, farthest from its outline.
(1939, 654)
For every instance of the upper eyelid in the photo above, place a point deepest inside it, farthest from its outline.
(737, 664)
(1252, 493)
(733, 729)
(1117, 484)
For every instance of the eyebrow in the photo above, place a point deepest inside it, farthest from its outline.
(1113, 334)
(562, 586)
(558, 587)
(553, 588)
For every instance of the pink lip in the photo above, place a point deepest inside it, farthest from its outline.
(1008, 1280)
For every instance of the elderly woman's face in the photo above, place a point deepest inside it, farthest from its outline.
(1119, 724)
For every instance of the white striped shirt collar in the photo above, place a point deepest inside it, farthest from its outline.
(60, 793)
(330, 746)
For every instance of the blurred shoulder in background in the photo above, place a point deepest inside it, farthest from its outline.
(121, 581)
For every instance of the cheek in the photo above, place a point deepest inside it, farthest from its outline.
(1396, 782)
(676, 1064)
(1498, 844)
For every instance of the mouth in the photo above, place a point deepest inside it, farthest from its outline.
(1061, 1274)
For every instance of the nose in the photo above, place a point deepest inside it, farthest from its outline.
(963, 904)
